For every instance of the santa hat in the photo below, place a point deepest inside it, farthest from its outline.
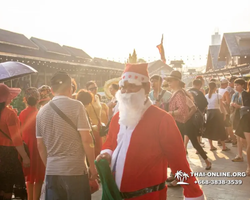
(135, 73)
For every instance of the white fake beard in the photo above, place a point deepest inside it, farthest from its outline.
(131, 107)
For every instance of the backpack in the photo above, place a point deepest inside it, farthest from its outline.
(198, 118)
(202, 104)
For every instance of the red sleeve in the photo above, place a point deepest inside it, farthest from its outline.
(111, 141)
(180, 100)
(172, 144)
(13, 124)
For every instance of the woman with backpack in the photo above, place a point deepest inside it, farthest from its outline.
(192, 132)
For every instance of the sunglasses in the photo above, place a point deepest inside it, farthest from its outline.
(92, 89)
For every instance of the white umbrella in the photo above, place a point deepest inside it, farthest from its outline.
(10, 70)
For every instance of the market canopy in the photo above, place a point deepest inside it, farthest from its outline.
(239, 70)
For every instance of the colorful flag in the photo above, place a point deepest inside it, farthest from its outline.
(161, 50)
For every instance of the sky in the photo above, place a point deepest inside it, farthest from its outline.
(111, 29)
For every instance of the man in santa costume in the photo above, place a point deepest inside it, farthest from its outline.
(142, 141)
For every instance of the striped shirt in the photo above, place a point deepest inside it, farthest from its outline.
(65, 153)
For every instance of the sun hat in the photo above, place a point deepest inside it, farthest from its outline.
(174, 75)
(8, 94)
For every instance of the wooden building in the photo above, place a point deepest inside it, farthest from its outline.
(177, 64)
(235, 49)
(158, 67)
(212, 60)
(48, 57)
(231, 58)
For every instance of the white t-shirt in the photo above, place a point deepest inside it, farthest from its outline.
(222, 91)
(214, 101)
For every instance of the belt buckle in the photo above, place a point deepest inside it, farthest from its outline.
(147, 190)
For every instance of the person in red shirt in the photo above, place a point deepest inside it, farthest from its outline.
(10, 144)
(35, 173)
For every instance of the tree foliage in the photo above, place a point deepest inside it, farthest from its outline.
(18, 102)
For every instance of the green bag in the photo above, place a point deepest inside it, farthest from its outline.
(110, 190)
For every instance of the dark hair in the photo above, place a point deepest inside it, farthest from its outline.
(213, 80)
(60, 82)
(73, 85)
(240, 81)
(197, 82)
(2, 106)
(85, 97)
(156, 77)
(212, 86)
(90, 83)
(232, 79)
(31, 101)
(115, 86)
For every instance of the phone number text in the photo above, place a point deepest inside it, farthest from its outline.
(219, 182)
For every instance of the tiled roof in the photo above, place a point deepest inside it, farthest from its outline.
(108, 63)
(79, 53)
(16, 39)
(50, 47)
(238, 44)
(213, 56)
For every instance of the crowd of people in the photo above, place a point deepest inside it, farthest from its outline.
(63, 126)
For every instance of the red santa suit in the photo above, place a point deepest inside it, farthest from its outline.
(140, 155)
(146, 151)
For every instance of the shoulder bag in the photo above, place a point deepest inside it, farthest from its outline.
(103, 129)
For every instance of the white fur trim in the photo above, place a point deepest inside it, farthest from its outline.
(132, 81)
(132, 75)
(195, 198)
(110, 152)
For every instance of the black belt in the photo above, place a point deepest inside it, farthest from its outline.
(128, 195)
